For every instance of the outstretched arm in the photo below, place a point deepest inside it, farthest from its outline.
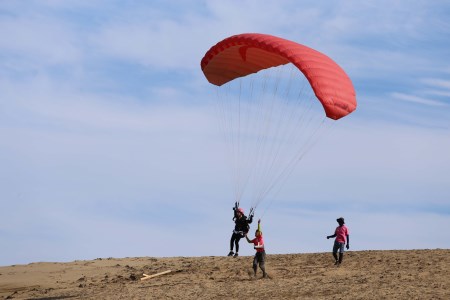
(248, 240)
(331, 236)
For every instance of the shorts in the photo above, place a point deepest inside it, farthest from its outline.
(338, 246)
(260, 258)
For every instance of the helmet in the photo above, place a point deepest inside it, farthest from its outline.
(241, 210)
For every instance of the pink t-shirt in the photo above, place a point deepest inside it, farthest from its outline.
(258, 241)
(341, 234)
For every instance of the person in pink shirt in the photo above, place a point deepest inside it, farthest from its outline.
(260, 255)
(342, 237)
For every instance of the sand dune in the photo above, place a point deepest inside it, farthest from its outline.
(411, 274)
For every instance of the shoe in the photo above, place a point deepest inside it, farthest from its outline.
(265, 275)
(336, 262)
(231, 253)
(236, 254)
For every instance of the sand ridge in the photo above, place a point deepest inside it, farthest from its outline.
(396, 274)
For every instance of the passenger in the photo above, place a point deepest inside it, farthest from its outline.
(241, 228)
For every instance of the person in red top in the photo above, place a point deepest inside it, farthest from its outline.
(342, 236)
(260, 255)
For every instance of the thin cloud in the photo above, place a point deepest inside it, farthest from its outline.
(40, 40)
(417, 99)
(439, 83)
(438, 93)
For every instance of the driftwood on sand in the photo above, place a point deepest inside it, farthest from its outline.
(154, 275)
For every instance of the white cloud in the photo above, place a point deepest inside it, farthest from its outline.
(437, 93)
(416, 99)
(39, 40)
(439, 83)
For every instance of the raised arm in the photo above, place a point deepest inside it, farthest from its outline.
(250, 219)
(235, 208)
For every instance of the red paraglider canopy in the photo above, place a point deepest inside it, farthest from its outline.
(244, 54)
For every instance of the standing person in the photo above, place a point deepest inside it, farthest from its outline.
(342, 236)
(260, 255)
(241, 228)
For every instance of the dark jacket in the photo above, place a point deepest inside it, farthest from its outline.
(242, 224)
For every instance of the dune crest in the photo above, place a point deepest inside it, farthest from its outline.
(396, 274)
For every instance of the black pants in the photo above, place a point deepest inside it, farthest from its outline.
(260, 258)
(235, 238)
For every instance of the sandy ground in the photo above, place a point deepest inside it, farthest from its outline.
(412, 274)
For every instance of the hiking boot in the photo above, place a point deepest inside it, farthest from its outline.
(265, 275)
(231, 253)
(236, 255)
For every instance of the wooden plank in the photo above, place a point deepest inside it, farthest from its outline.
(155, 275)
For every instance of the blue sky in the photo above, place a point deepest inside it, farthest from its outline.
(109, 147)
